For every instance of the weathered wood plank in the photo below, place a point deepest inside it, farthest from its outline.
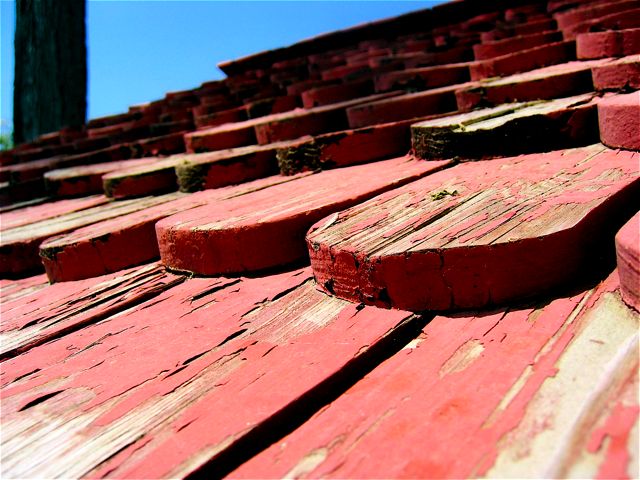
(14, 289)
(266, 228)
(509, 129)
(128, 239)
(498, 48)
(548, 391)
(31, 214)
(556, 81)
(610, 43)
(628, 256)
(85, 179)
(19, 245)
(411, 105)
(525, 60)
(347, 147)
(175, 384)
(619, 119)
(622, 74)
(424, 77)
(275, 127)
(39, 312)
(480, 233)
(228, 167)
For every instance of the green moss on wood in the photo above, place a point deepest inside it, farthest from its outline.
(307, 156)
(191, 176)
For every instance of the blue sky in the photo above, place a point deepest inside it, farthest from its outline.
(139, 50)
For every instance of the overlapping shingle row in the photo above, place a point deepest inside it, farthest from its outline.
(475, 157)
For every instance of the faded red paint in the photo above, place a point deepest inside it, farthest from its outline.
(608, 44)
(618, 75)
(619, 119)
(436, 409)
(128, 239)
(545, 83)
(183, 337)
(488, 50)
(536, 57)
(628, 254)
(413, 260)
(412, 105)
(266, 228)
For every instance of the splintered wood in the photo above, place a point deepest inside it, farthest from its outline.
(472, 236)
(170, 386)
(38, 312)
(544, 391)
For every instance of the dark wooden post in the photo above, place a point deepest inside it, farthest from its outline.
(50, 84)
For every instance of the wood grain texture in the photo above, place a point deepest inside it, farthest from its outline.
(43, 211)
(172, 385)
(472, 236)
(509, 129)
(39, 312)
(19, 245)
(423, 78)
(128, 239)
(546, 391)
(266, 228)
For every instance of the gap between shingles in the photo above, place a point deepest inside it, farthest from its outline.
(296, 413)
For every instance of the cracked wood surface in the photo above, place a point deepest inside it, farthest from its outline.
(564, 404)
(36, 312)
(19, 245)
(472, 236)
(44, 211)
(509, 129)
(175, 383)
(266, 228)
(128, 239)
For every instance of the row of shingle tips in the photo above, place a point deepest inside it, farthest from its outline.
(341, 107)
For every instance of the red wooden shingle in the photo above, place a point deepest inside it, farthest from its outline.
(525, 60)
(479, 233)
(619, 119)
(549, 390)
(545, 83)
(140, 394)
(621, 74)
(48, 312)
(266, 228)
(628, 254)
(127, 239)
